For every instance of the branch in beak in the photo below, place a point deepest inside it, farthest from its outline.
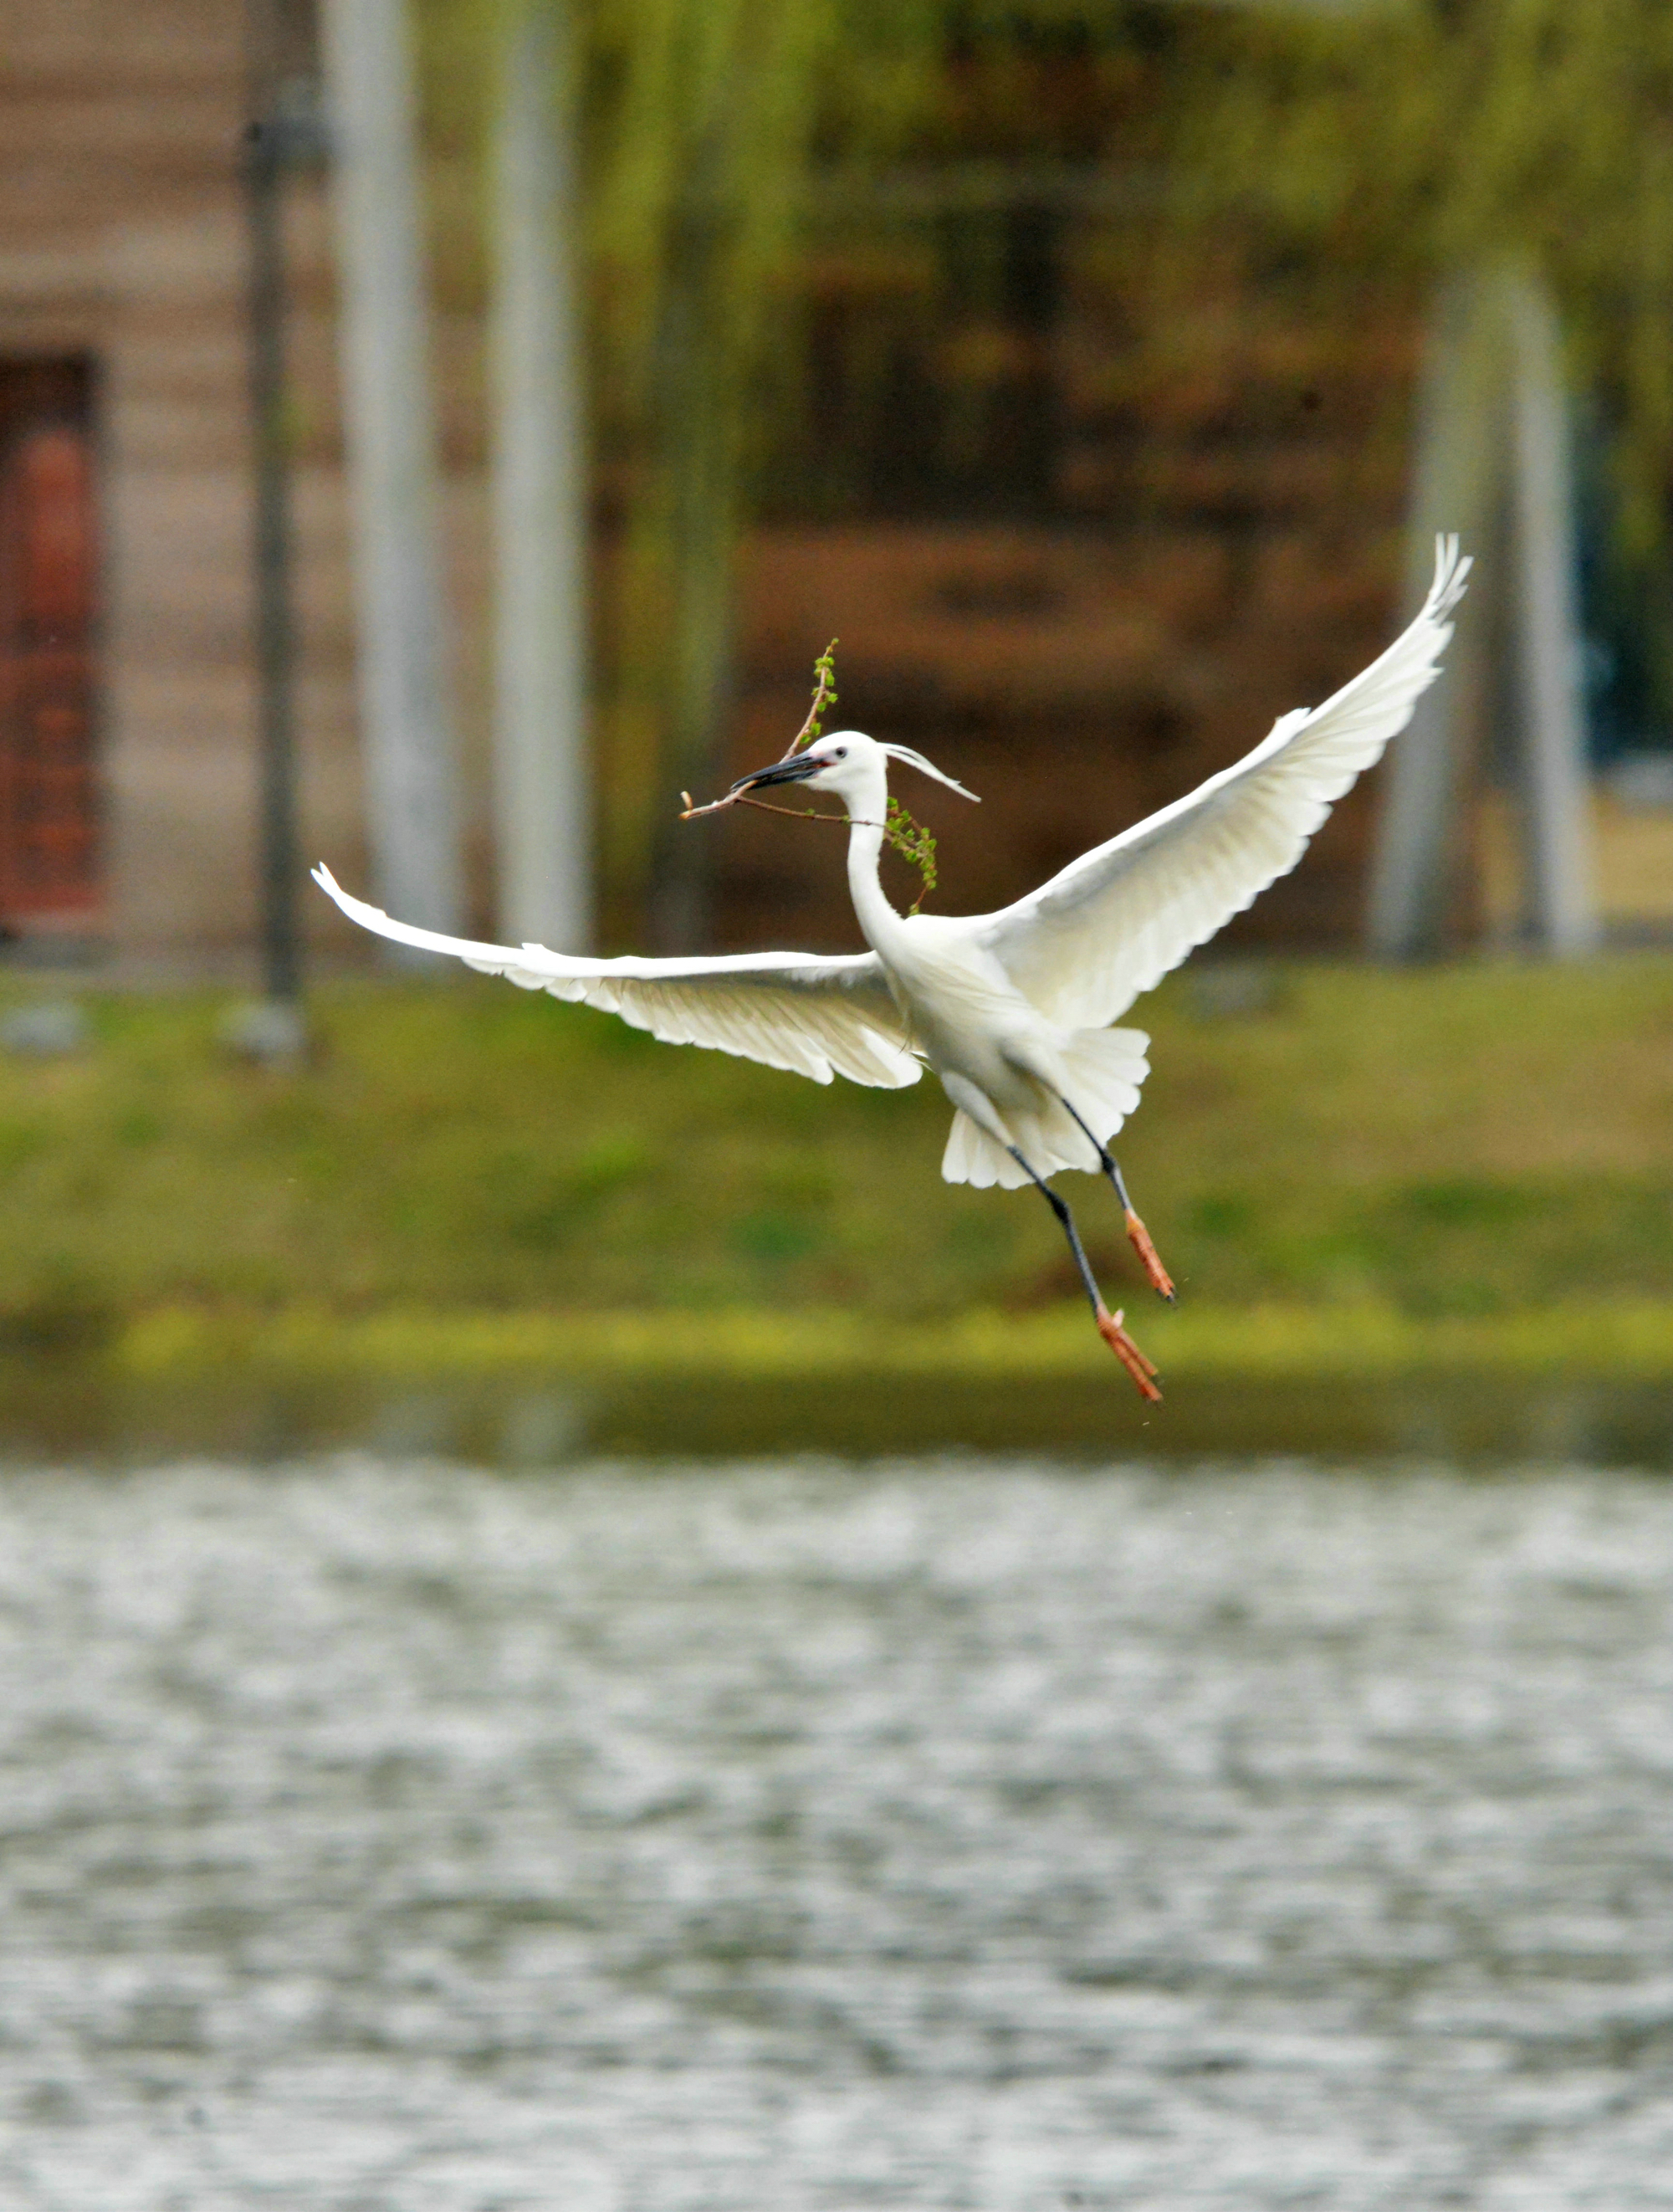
(793, 770)
(796, 768)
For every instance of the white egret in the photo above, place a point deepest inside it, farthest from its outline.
(1012, 1010)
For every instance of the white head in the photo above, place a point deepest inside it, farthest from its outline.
(852, 765)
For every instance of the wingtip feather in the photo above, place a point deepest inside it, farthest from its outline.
(1452, 574)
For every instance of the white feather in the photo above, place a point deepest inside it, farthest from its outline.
(1082, 947)
(811, 1013)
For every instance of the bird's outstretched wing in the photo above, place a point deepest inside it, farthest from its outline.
(1083, 946)
(812, 1014)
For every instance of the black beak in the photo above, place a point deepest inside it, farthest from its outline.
(796, 769)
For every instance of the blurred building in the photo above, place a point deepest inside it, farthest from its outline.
(1084, 548)
(1081, 548)
(127, 732)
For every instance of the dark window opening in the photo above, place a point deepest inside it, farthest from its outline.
(48, 608)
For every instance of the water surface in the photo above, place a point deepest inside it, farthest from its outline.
(398, 1835)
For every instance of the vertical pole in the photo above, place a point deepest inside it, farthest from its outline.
(1502, 477)
(1421, 840)
(1551, 753)
(542, 786)
(391, 465)
(263, 169)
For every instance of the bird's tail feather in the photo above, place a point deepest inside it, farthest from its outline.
(1104, 1070)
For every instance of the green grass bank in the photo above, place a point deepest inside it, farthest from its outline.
(1361, 1170)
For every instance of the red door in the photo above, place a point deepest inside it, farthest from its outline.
(49, 843)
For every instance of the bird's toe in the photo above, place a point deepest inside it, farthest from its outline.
(1150, 1258)
(1111, 1328)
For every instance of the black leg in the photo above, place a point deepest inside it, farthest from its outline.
(1066, 1223)
(1139, 1235)
(1109, 1326)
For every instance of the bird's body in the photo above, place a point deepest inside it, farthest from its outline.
(1005, 1066)
(1012, 1011)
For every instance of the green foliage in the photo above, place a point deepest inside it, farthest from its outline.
(702, 123)
(914, 843)
(1349, 157)
(1382, 150)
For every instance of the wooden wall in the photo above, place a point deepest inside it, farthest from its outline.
(1220, 539)
(122, 238)
(120, 213)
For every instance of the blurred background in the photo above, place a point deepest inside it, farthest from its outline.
(1078, 366)
(577, 1627)
(434, 437)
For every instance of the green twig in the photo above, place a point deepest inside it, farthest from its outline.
(824, 695)
(908, 837)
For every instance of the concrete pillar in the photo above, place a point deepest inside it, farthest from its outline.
(1493, 463)
(406, 725)
(542, 787)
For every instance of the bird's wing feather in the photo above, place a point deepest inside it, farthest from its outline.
(1112, 923)
(814, 1015)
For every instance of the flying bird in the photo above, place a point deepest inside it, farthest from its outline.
(1012, 1011)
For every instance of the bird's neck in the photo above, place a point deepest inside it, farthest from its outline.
(878, 920)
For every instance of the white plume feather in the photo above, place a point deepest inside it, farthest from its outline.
(926, 768)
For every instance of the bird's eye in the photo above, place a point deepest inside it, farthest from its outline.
(841, 753)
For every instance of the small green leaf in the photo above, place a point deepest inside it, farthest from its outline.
(914, 843)
(824, 695)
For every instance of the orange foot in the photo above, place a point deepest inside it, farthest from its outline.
(1160, 1280)
(1144, 1374)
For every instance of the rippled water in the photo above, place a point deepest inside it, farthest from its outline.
(761, 1836)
